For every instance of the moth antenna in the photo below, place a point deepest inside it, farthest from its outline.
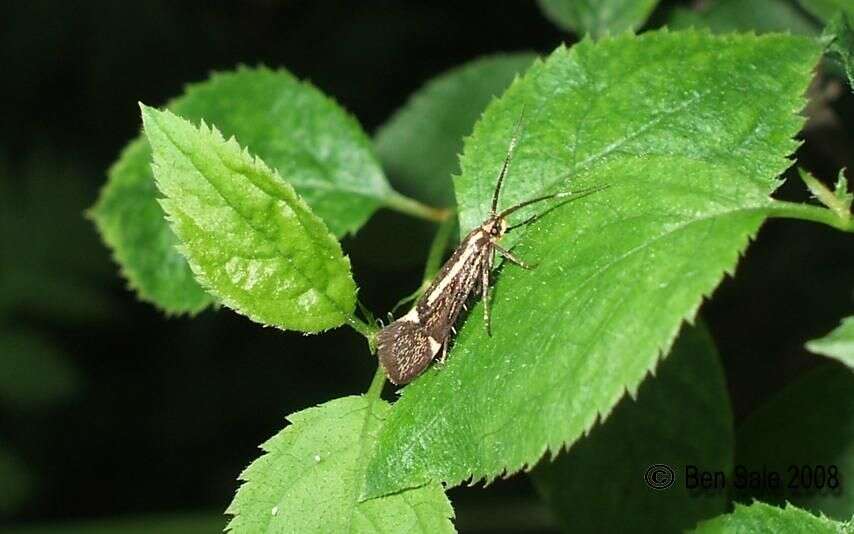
(569, 195)
(505, 167)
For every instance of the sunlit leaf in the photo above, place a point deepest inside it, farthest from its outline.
(249, 238)
(761, 518)
(838, 344)
(297, 130)
(690, 132)
(309, 479)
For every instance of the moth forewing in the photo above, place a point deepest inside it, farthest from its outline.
(404, 350)
(408, 345)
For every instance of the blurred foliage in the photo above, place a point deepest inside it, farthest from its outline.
(809, 425)
(825, 10)
(50, 273)
(761, 16)
(17, 483)
(839, 35)
(602, 470)
(837, 344)
(598, 17)
(420, 144)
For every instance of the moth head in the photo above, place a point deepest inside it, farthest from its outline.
(496, 227)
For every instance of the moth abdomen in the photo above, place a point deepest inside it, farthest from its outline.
(405, 350)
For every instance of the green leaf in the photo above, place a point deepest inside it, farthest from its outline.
(690, 131)
(310, 476)
(838, 201)
(838, 344)
(809, 423)
(761, 518)
(249, 238)
(605, 469)
(761, 16)
(843, 196)
(297, 130)
(598, 17)
(132, 224)
(840, 38)
(33, 372)
(420, 143)
(826, 9)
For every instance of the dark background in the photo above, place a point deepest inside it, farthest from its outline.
(167, 411)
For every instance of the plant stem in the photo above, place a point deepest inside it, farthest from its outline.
(360, 326)
(412, 207)
(808, 212)
(434, 260)
(826, 196)
(377, 384)
(438, 248)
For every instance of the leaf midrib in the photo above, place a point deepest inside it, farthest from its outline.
(248, 221)
(439, 414)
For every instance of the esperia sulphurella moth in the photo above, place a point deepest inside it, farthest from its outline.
(408, 345)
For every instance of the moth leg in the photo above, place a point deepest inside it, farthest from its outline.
(484, 287)
(512, 258)
(440, 360)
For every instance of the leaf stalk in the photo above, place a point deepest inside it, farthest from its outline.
(412, 207)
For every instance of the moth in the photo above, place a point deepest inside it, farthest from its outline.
(408, 345)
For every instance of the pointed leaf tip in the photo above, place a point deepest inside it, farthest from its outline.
(248, 237)
(298, 131)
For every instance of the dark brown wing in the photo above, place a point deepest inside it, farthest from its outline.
(408, 345)
(404, 350)
(441, 304)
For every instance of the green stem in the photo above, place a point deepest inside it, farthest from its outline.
(434, 260)
(412, 207)
(438, 248)
(377, 384)
(360, 326)
(825, 195)
(808, 212)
